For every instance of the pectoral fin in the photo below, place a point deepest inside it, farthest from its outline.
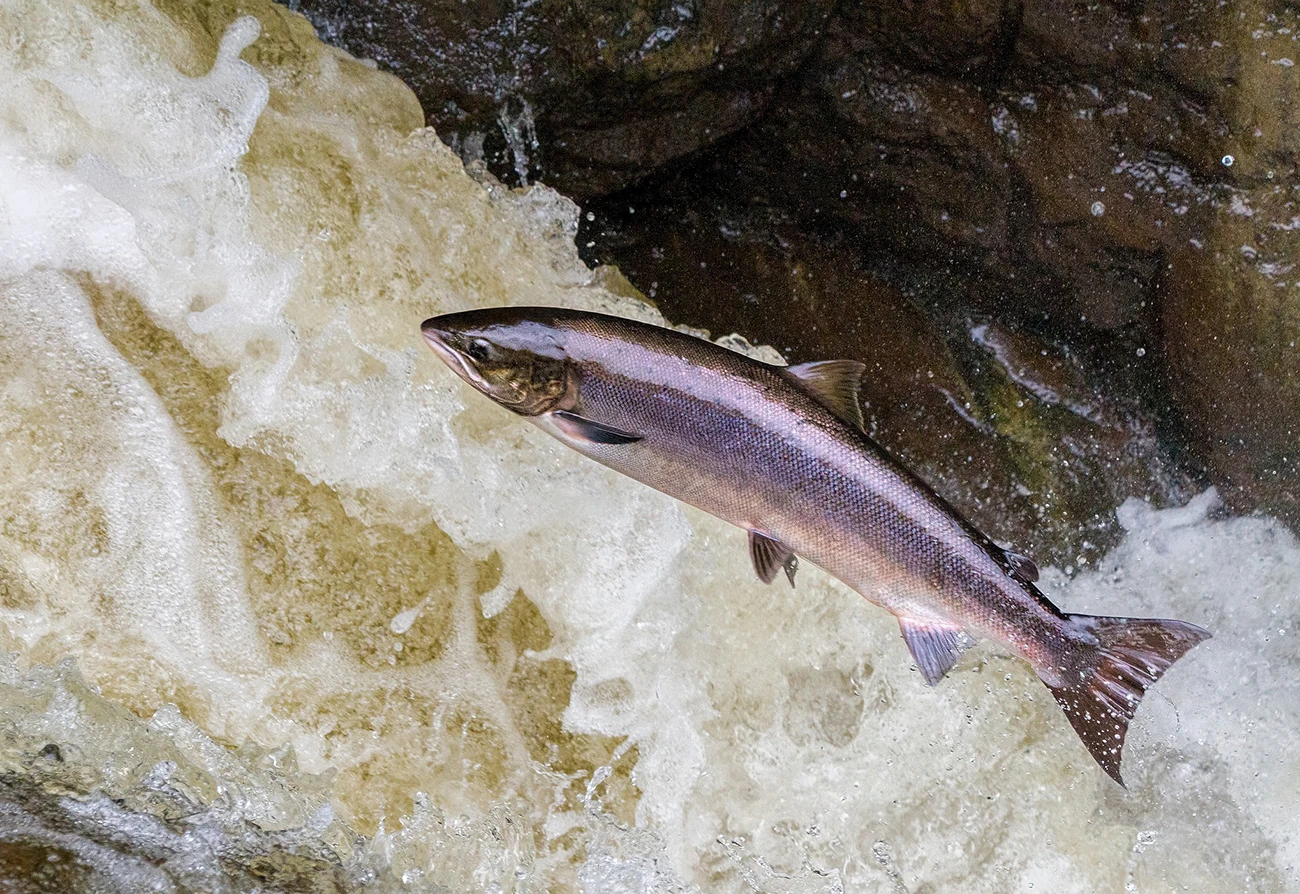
(834, 383)
(582, 429)
(935, 648)
(769, 556)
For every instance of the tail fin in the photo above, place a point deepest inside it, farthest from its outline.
(1103, 695)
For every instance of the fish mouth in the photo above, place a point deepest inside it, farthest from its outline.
(438, 339)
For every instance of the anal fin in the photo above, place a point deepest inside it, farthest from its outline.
(934, 647)
(770, 556)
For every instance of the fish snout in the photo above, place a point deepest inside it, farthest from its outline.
(442, 342)
(433, 333)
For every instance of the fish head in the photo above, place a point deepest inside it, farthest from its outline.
(515, 359)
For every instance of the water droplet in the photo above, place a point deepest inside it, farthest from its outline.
(1227, 161)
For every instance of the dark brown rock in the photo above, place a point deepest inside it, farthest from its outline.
(1032, 188)
(1061, 41)
(1009, 427)
(1230, 299)
(1046, 172)
(1233, 339)
(968, 38)
(1118, 177)
(588, 97)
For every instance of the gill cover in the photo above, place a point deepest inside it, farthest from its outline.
(499, 362)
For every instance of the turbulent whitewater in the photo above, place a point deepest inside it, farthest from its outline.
(276, 599)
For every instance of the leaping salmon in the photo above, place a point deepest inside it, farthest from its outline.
(781, 452)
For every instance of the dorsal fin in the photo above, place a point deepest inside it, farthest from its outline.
(834, 383)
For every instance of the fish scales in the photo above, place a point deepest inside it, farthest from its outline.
(780, 453)
(748, 445)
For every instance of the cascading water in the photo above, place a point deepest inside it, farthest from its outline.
(278, 595)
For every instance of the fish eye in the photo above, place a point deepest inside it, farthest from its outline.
(479, 349)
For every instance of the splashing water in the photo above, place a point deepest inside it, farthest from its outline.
(520, 132)
(327, 602)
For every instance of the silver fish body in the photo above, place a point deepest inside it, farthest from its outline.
(780, 452)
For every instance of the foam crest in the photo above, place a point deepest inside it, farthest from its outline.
(107, 455)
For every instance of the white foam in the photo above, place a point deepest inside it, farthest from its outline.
(782, 739)
(166, 561)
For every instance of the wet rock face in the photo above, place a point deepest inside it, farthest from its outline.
(1231, 324)
(1119, 181)
(1113, 178)
(1027, 172)
(1010, 426)
(969, 38)
(588, 97)
(1230, 296)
